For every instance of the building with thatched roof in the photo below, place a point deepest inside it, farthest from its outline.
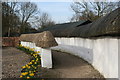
(77, 38)
(63, 30)
(108, 25)
(84, 40)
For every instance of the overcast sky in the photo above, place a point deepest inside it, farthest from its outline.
(60, 12)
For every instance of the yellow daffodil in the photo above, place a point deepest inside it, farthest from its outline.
(37, 59)
(28, 67)
(34, 71)
(33, 60)
(26, 47)
(30, 71)
(25, 73)
(28, 77)
(32, 74)
(30, 63)
(23, 67)
(35, 68)
(20, 45)
(32, 49)
(21, 76)
(37, 52)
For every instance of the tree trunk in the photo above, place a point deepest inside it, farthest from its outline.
(9, 32)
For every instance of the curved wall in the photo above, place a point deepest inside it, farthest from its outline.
(101, 53)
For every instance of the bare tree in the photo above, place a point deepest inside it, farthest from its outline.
(44, 20)
(9, 18)
(91, 10)
(82, 11)
(119, 4)
(102, 8)
(19, 16)
(15, 19)
(27, 11)
(75, 18)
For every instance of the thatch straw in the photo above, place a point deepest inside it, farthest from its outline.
(27, 37)
(45, 39)
(108, 25)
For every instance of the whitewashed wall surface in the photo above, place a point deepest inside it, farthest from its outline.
(45, 53)
(101, 53)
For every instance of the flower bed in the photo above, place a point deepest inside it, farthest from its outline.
(30, 69)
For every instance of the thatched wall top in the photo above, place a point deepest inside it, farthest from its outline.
(45, 39)
(27, 37)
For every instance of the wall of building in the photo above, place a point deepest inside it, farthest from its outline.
(101, 53)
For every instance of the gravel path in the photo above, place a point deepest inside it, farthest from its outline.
(12, 61)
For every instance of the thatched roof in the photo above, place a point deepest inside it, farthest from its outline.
(44, 39)
(63, 30)
(108, 25)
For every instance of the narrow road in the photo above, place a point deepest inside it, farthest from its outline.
(66, 65)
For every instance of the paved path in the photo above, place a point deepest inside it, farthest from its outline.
(64, 65)
(69, 66)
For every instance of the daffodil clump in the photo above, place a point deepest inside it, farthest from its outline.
(29, 70)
